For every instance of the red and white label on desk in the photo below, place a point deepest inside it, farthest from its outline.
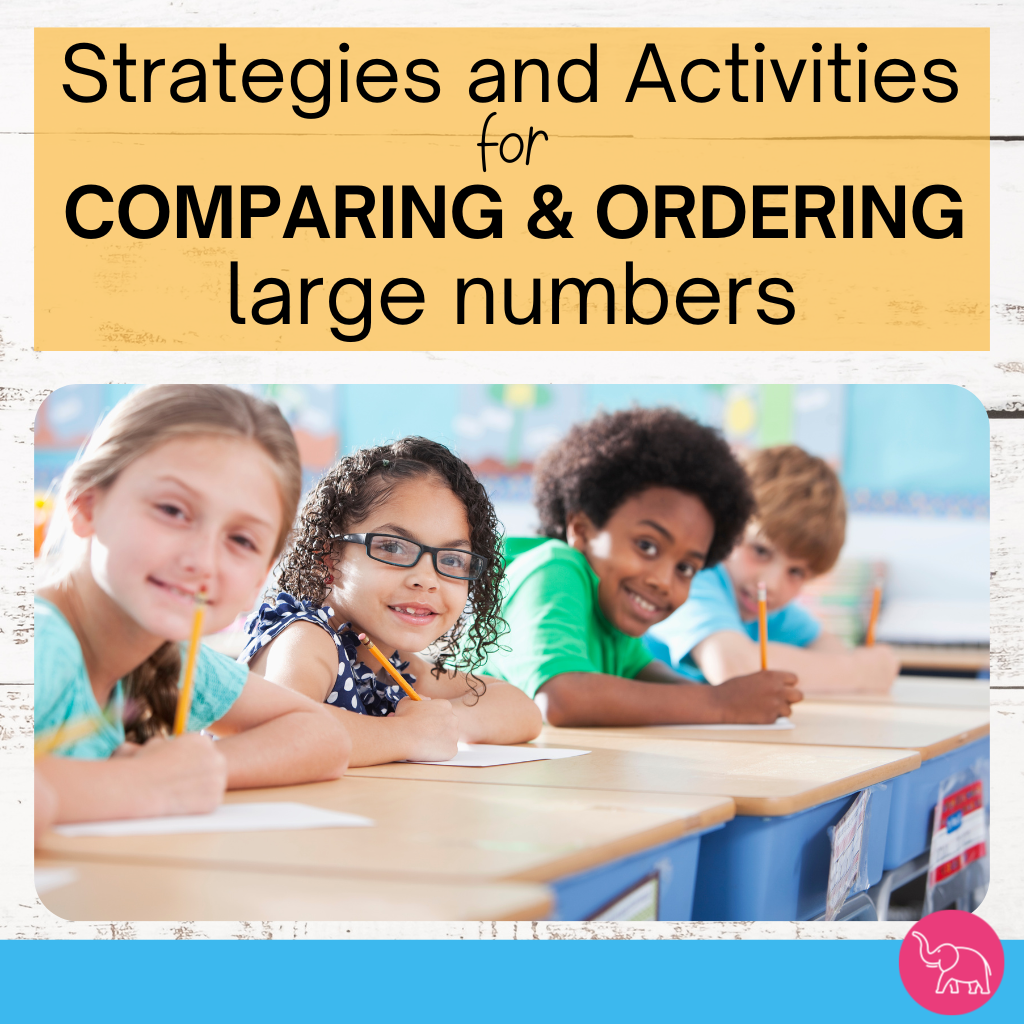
(844, 865)
(960, 833)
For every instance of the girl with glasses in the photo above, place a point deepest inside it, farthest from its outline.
(398, 542)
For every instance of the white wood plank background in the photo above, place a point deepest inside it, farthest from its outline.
(996, 378)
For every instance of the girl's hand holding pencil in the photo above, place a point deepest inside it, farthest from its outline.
(434, 729)
(432, 726)
(183, 775)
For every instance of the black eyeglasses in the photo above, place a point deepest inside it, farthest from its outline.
(454, 563)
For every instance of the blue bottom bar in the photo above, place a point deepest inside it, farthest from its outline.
(914, 797)
(776, 869)
(504, 982)
(579, 897)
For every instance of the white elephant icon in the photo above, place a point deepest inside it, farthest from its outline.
(958, 965)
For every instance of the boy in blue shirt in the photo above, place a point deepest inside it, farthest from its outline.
(796, 534)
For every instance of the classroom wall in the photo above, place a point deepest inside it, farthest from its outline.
(913, 457)
(916, 474)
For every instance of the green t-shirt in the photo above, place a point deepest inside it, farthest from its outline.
(557, 624)
(64, 697)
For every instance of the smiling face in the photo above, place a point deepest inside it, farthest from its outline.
(195, 512)
(646, 555)
(403, 608)
(756, 559)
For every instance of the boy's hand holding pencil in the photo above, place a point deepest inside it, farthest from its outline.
(758, 699)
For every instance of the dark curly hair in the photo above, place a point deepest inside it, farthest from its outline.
(599, 464)
(360, 483)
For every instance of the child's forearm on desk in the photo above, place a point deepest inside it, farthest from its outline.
(96, 790)
(504, 714)
(375, 740)
(830, 667)
(593, 698)
(833, 669)
(296, 747)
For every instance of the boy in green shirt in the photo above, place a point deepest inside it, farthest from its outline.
(636, 503)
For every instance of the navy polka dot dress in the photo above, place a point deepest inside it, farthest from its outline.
(356, 688)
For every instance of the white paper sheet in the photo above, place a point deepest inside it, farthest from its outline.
(489, 755)
(257, 817)
(779, 723)
(48, 879)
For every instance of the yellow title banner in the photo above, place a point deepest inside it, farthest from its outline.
(306, 189)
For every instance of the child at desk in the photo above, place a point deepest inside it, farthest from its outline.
(636, 504)
(183, 490)
(797, 533)
(399, 542)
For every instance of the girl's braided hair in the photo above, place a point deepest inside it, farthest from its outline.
(359, 484)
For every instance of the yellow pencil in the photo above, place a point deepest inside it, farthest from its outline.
(876, 604)
(762, 623)
(388, 667)
(185, 694)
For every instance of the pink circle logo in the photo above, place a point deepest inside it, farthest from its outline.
(951, 962)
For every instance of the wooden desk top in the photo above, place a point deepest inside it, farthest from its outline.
(428, 832)
(133, 892)
(922, 691)
(761, 779)
(930, 731)
(924, 656)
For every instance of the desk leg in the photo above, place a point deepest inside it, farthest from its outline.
(893, 879)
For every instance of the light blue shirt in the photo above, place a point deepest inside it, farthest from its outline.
(64, 698)
(712, 608)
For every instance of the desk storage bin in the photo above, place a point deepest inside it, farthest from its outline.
(914, 796)
(582, 896)
(776, 869)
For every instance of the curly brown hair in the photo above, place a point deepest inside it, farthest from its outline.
(360, 483)
(599, 464)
